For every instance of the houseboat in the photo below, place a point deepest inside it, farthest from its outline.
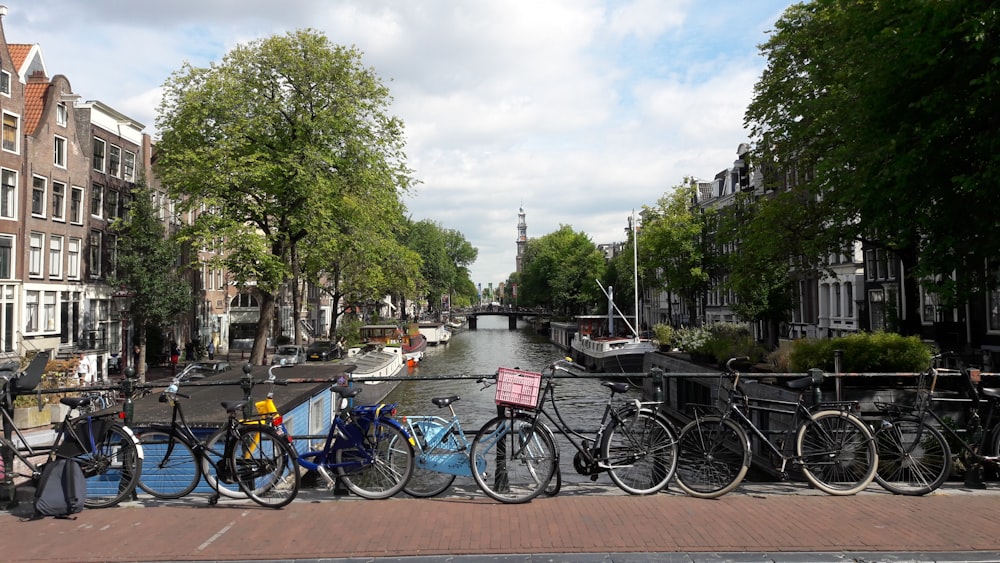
(597, 347)
(434, 332)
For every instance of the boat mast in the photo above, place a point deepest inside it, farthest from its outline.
(635, 274)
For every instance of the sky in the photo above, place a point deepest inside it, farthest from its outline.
(577, 111)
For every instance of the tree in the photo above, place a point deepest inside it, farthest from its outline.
(286, 150)
(672, 244)
(560, 271)
(445, 256)
(886, 112)
(148, 263)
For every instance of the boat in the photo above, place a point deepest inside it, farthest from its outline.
(412, 342)
(599, 347)
(375, 362)
(433, 331)
(595, 346)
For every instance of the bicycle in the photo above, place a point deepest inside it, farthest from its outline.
(914, 441)
(441, 451)
(634, 444)
(366, 448)
(254, 456)
(108, 452)
(834, 448)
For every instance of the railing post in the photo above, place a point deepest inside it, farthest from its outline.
(656, 375)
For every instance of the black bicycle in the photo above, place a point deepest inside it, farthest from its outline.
(254, 456)
(107, 451)
(914, 441)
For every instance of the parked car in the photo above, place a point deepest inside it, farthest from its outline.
(321, 351)
(214, 366)
(289, 353)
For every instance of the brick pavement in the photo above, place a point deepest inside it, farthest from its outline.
(762, 522)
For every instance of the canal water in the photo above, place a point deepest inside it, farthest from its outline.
(474, 353)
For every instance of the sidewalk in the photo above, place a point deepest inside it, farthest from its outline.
(586, 522)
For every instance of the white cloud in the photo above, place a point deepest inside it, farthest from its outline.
(579, 110)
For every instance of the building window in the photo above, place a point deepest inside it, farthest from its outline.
(876, 302)
(129, 166)
(5, 83)
(31, 311)
(55, 256)
(35, 244)
(62, 114)
(95, 254)
(58, 200)
(73, 258)
(59, 152)
(97, 200)
(113, 205)
(49, 311)
(38, 186)
(99, 150)
(6, 257)
(11, 132)
(8, 194)
(76, 206)
(115, 161)
(849, 299)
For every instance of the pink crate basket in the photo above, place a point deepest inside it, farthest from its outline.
(518, 388)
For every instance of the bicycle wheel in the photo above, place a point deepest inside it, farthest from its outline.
(837, 452)
(112, 467)
(641, 452)
(519, 459)
(265, 465)
(426, 482)
(714, 456)
(383, 465)
(169, 467)
(913, 457)
(212, 460)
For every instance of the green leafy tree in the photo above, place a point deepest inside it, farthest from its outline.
(445, 255)
(148, 264)
(885, 115)
(560, 272)
(286, 151)
(672, 246)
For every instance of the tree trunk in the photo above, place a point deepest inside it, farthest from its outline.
(263, 327)
(909, 318)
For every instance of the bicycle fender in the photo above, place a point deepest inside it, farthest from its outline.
(135, 440)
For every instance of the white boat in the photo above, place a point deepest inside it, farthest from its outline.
(596, 348)
(376, 363)
(445, 335)
(433, 331)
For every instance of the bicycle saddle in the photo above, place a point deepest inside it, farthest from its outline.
(445, 401)
(232, 406)
(616, 386)
(75, 402)
(346, 392)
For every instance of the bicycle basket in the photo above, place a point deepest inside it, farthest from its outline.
(518, 388)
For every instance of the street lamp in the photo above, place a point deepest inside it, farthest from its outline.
(123, 300)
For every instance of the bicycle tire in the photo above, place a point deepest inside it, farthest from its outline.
(266, 466)
(519, 464)
(112, 468)
(386, 463)
(837, 452)
(640, 449)
(212, 460)
(713, 458)
(170, 470)
(425, 482)
(555, 483)
(913, 457)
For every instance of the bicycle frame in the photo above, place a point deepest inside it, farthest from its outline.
(428, 435)
(350, 431)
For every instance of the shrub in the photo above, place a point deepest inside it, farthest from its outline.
(718, 342)
(871, 352)
(664, 334)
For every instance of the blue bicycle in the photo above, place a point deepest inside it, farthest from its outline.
(366, 448)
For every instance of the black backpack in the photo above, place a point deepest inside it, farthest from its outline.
(61, 490)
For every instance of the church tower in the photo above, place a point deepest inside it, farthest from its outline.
(522, 238)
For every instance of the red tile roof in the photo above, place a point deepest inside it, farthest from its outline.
(34, 103)
(19, 53)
